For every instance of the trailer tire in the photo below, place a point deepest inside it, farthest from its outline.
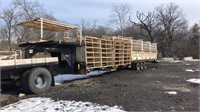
(135, 66)
(142, 65)
(145, 65)
(37, 80)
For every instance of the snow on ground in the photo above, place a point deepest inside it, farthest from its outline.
(177, 61)
(197, 81)
(189, 70)
(192, 70)
(3, 57)
(39, 104)
(68, 77)
(195, 60)
(197, 70)
(171, 92)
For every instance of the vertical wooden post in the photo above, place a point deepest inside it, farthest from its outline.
(41, 28)
(80, 31)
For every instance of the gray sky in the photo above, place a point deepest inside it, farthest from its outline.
(73, 11)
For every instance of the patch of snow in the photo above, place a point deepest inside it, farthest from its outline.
(190, 70)
(187, 64)
(48, 105)
(94, 73)
(197, 81)
(58, 83)
(188, 58)
(171, 92)
(198, 70)
(177, 61)
(3, 57)
(69, 77)
(195, 60)
(167, 59)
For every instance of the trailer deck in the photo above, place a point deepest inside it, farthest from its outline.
(20, 63)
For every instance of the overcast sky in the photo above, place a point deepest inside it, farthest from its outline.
(73, 11)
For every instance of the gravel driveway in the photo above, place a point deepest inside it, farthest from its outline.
(156, 89)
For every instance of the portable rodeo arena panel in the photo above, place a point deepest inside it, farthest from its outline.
(137, 49)
(104, 52)
(146, 50)
(111, 51)
(127, 51)
(93, 52)
(118, 51)
(107, 52)
(153, 53)
(143, 50)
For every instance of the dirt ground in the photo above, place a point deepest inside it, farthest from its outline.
(132, 90)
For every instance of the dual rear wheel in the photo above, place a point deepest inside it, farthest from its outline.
(139, 66)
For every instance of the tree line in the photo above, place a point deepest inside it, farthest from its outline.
(165, 25)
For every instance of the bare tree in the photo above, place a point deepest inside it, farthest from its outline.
(9, 18)
(171, 24)
(194, 42)
(88, 27)
(30, 9)
(92, 29)
(21, 10)
(101, 30)
(147, 25)
(119, 16)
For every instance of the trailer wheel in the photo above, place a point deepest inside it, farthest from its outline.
(145, 65)
(141, 66)
(138, 66)
(135, 66)
(37, 80)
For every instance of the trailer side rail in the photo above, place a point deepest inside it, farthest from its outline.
(31, 61)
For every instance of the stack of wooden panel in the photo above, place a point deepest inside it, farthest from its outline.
(137, 45)
(153, 47)
(127, 51)
(146, 50)
(146, 46)
(93, 52)
(107, 52)
(118, 51)
(153, 53)
(114, 51)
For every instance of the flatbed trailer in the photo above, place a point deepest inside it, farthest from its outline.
(73, 55)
